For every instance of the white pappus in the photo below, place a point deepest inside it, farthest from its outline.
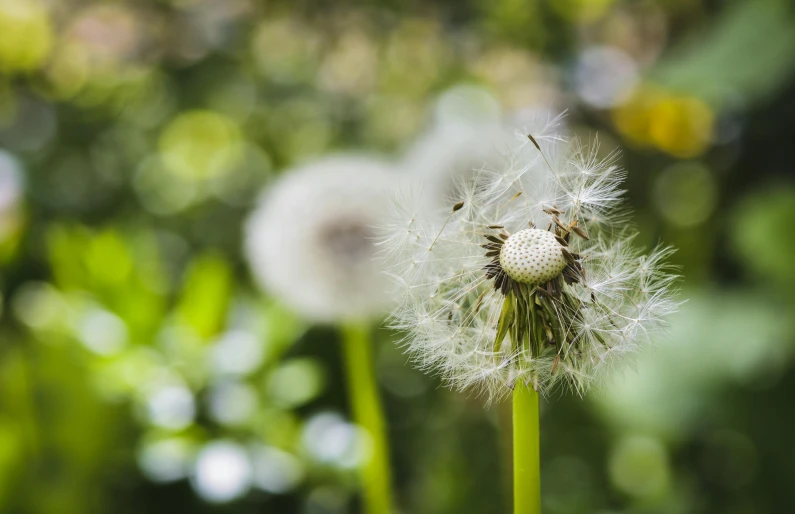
(311, 240)
(529, 274)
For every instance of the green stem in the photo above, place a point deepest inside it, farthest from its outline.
(526, 451)
(505, 424)
(367, 412)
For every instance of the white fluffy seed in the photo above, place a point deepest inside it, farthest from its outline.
(532, 256)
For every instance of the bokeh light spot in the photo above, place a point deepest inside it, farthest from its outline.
(222, 472)
(165, 460)
(38, 305)
(200, 144)
(171, 407)
(332, 440)
(276, 471)
(466, 104)
(27, 35)
(161, 192)
(686, 194)
(237, 352)
(605, 76)
(639, 466)
(232, 403)
(285, 50)
(102, 332)
(296, 382)
(682, 126)
(761, 221)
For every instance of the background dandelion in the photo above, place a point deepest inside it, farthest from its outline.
(312, 242)
(312, 239)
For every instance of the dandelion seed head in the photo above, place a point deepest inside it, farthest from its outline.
(533, 276)
(532, 256)
(312, 239)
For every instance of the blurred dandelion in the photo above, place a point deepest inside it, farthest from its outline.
(468, 134)
(312, 239)
(529, 281)
(312, 242)
(451, 152)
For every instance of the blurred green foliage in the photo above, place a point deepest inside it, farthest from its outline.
(137, 359)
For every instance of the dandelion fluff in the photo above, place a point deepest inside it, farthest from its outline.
(531, 275)
(452, 152)
(311, 239)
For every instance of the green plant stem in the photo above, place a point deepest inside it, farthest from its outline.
(526, 451)
(367, 412)
(505, 423)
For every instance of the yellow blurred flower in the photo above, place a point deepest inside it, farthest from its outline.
(681, 126)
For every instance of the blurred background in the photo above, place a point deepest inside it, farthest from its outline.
(141, 369)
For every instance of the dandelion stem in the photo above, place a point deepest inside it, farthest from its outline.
(367, 412)
(526, 451)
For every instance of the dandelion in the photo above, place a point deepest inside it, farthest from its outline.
(312, 238)
(528, 281)
(312, 243)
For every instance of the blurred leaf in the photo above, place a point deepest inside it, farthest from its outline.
(200, 144)
(718, 340)
(296, 382)
(107, 259)
(746, 55)
(123, 272)
(18, 431)
(205, 295)
(61, 440)
(79, 435)
(281, 330)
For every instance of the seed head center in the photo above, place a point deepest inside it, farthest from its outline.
(532, 256)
